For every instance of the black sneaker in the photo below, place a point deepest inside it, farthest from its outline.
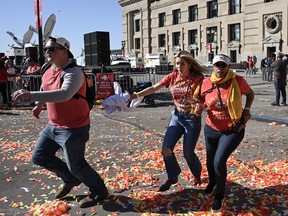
(217, 204)
(283, 103)
(210, 189)
(275, 104)
(92, 201)
(63, 191)
(168, 184)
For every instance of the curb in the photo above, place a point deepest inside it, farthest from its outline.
(269, 119)
(253, 117)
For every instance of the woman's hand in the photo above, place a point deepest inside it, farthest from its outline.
(246, 115)
(198, 109)
(134, 96)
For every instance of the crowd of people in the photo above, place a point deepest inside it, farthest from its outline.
(273, 69)
(276, 70)
(192, 93)
(220, 95)
(279, 67)
(10, 81)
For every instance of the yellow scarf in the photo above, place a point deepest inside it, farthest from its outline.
(234, 100)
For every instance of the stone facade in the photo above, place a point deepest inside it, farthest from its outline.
(237, 28)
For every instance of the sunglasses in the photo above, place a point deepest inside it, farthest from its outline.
(221, 64)
(52, 49)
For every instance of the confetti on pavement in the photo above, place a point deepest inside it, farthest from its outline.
(130, 161)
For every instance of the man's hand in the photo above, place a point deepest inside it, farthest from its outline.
(21, 94)
(36, 111)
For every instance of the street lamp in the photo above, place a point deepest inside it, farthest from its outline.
(123, 43)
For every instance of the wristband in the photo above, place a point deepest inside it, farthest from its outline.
(247, 108)
(135, 95)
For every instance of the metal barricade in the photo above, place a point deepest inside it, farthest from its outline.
(33, 82)
(30, 83)
(131, 78)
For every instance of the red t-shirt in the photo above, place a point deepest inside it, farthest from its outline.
(217, 117)
(182, 87)
(73, 113)
(31, 69)
(251, 63)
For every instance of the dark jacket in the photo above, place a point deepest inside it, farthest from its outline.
(279, 68)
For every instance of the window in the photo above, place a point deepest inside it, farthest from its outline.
(162, 19)
(211, 35)
(176, 38)
(193, 13)
(137, 43)
(176, 16)
(234, 32)
(212, 9)
(137, 25)
(233, 55)
(235, 6)
(162, 40)
(192, 36)
(268, 1)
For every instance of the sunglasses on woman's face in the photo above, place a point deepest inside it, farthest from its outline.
(221, 64)
(52, 49)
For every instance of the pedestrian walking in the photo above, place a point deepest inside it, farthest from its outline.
(250, 66)
(225, 122)
(279, 69)
(184, 81)
(68, 126)
(4, 76)
(269, 69)
(12, 86)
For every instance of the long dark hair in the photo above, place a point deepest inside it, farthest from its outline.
(195, 67)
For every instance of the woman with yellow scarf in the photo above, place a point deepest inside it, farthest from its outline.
(225, 122)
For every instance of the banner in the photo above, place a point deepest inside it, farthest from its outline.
(36, 2)
(106, 87)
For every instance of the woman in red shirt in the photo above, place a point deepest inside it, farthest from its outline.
(184, 81)
(225, 122)
(3, 83)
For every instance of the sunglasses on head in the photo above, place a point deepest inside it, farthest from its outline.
(221, 64)
(52, 49)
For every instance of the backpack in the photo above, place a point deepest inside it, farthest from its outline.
(90, 89)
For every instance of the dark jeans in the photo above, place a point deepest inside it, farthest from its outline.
(10, 87)
(75, 169)
(3, 90)
(280, 87)
(219, 146)
(189, 125)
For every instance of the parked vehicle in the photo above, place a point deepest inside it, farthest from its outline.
(155, 60)
(137, 63)
(149, 99)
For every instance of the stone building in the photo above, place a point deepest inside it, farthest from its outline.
(237, 28)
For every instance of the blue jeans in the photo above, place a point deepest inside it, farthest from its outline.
(189, 125)
(280, 87)
(75, 169)
(219, 146)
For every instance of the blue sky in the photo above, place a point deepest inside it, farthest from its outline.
(74, 18)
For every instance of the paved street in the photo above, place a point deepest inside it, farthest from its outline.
(125, 149)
